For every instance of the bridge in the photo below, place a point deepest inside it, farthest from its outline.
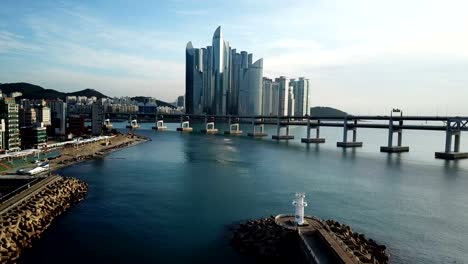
(395, 124)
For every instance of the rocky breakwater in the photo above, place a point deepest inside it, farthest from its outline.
(26, 221)
(366, 250)
(265, 241)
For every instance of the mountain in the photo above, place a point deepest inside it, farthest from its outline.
(326, 112)
(31, 91)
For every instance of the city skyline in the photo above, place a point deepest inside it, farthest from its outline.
(222, 80)
(367, 59)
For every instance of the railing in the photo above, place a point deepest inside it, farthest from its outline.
(18, 190)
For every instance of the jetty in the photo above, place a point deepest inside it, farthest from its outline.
(305, 239)
(26, 215)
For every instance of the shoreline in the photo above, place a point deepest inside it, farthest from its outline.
(100, 153)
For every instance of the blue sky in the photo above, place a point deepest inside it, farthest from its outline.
(362, 56)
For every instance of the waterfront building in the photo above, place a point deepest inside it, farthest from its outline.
(301, 93)
(219, 80)
(291, 101)
(97, 117)
(33, 137)
(58, 110)
(9, 112)
(283, 93)
(76, 125)
(27, 116)
(284, 96)
(43, 113)
(2, 134)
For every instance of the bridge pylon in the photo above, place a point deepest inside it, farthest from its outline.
(317, 138)
(390, 148)
(346, 128)
(258, 130)
(454, 128)
(184, 125)
(278, 135)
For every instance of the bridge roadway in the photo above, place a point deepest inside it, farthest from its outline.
(326, 121)
(453, 126)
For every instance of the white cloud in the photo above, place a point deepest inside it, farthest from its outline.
(12, 43)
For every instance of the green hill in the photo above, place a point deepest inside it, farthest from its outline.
(31, 91)
(326, 112)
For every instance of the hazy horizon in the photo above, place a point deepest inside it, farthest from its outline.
(362, 56)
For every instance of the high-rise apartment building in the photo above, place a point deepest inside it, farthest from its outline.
(9, 112)
(302, 96)
(97, 117)
(286, 97)
(219, 80)
(58, 109)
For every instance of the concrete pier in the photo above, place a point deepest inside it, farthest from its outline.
(160, 126)
(317, 139)
(233, 129)
(278, 135)
(258, 130)
(453, 131)
(394, 149)
(390, 148)
(185, 127)
(210, 128)
(346, 129)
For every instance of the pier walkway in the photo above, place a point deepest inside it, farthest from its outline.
(318, 244)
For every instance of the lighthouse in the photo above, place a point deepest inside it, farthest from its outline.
(299, 203)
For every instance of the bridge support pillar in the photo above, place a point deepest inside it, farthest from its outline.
(453, 131)
(160, 126)
(233, 128)
(278, 135)
(317, 138)
(184, 125)
(390, 148)
(346, 129)
(258, 130)
(209, 127)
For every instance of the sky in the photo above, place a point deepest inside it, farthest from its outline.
(361, 56)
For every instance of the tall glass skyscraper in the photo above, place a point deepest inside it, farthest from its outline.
(286, 97)
(219, 80)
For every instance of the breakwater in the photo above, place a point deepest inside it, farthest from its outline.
(278, 240)
(362, 247)
(265, 241)
(28, 217)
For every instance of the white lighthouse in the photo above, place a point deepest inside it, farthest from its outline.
(299, 203)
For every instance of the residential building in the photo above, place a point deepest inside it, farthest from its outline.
(97, 117)
(33, 137)
(58, 109)
(76, 125)
(9, 112)
(2, 135)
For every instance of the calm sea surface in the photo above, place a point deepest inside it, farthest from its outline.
(170, 200)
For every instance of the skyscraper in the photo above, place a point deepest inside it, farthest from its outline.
(302, 96)
(97, 117)
(220, 81)
(285, 96)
